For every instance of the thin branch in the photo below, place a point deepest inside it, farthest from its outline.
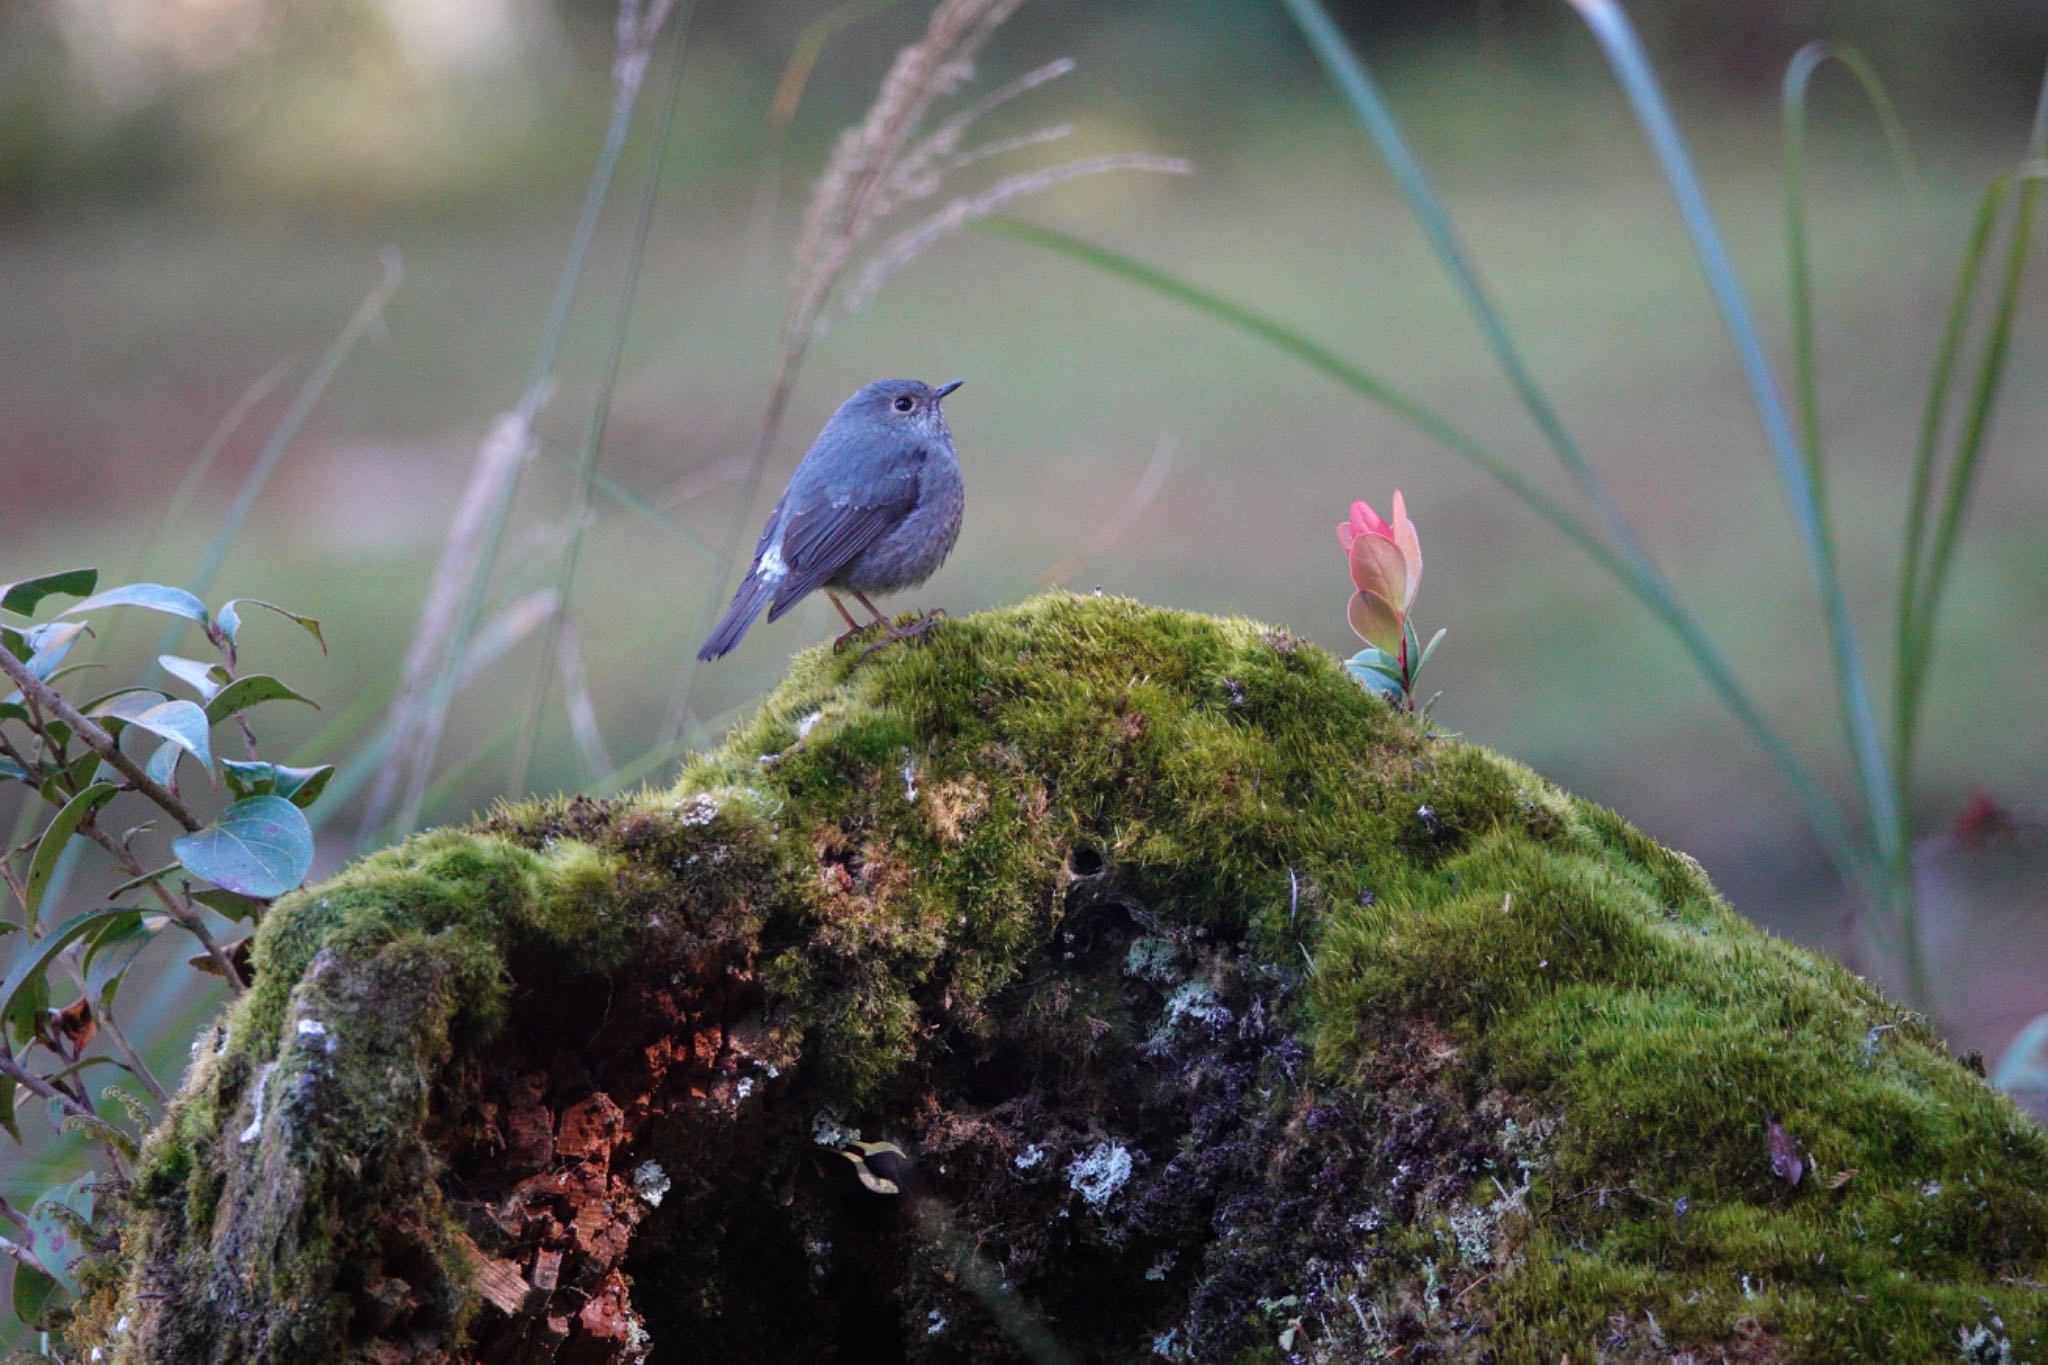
(190, 920)
(40, 694)
(103, 1016)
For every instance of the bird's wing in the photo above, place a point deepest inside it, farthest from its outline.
(828, 529)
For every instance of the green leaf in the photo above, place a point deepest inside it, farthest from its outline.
(14, 772)
(137, 883)
(23, 1013)
(115, 947)
(300, 786)
(260, 846)
(29, 970)
(232, 904)
(33, 1293)
(231, 619)
(7, 1119)
(1430, 648)
(202, 677)
(243, 693)
(153, 596)
(21, 597)
(51, 847)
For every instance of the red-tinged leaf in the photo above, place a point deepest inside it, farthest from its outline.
(1377, 623)
(1377, 567)
(1786, 1162)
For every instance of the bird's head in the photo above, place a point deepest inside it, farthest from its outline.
(906, 404)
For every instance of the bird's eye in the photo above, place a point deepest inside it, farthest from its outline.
(905, 403)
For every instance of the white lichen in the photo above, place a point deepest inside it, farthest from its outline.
(1152, 959)
(1100, 1173)
(651, 1183)
(827, 1130)
(314, 1029)
(698, 810)
(1030, 1158)
(262, 1088)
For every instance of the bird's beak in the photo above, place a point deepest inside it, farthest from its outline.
(945, 389)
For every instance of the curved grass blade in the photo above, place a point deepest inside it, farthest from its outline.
(1799, 74)
(601, 409)
(1819, 811)
(1624, 54)
(1924, 572)
(310, 392)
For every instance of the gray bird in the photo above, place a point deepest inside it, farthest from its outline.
(875, 507)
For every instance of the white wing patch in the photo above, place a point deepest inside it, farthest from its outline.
(772, 566)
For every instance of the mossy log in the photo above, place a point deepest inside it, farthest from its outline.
(1082, 982)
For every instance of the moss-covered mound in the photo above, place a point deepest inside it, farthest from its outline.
(1084, 982)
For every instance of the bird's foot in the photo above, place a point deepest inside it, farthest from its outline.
(847, 637)
(919, 625)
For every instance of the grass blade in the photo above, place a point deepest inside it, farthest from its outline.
(366, 315)
(1924, 571)
(1799, 75)
(1819, 811)
(427, 697)
(600, 414)
(1624, 53)
(1355, 83)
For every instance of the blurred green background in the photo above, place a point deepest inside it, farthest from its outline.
(195, 191)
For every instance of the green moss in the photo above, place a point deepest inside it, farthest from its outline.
(1417, 1049)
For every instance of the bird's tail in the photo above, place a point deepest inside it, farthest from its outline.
(746, 605)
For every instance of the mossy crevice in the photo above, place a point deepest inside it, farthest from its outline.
(1211, 1010)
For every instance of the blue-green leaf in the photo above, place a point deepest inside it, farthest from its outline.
(154, 596)
(14, 772)
(202, 677)
(100, 705)
(47, 645)
(162, 767)
(253, 690)
(231, 619)
(181, 723)
(53, 1231)
(44, 865)
(1378, 673)
(260, 846)
(21, 597)
(117, 708)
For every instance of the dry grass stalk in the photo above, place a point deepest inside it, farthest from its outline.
(900, 250)
(850, 195)
(414, 731)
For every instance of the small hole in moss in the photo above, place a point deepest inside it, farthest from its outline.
(1084, 861)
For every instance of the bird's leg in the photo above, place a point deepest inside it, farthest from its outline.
(854, 629)
(909, 632)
